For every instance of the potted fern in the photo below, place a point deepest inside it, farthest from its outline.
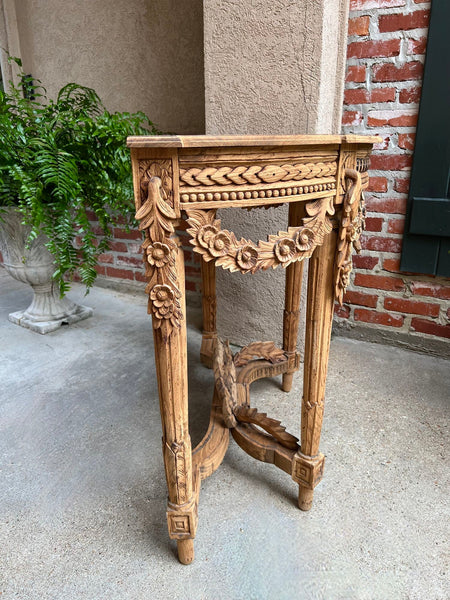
(60, 162)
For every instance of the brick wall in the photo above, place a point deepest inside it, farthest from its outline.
(124, 260)
(386, 52)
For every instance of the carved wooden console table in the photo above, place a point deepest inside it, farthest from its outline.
(321, 177)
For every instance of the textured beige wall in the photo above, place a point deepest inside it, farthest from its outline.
(137, 54)
(271, 66)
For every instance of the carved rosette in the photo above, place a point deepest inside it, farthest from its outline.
(351, 227)
(297, 243)
(156, 215)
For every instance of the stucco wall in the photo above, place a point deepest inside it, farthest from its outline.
(137, 54)
(271, 66)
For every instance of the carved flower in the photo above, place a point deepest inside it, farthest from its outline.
(285, 249)
(206, 233)
(158, 254)
(246, 257)
(304, 240)
(345, 273)
(219, 244)
(162, 298)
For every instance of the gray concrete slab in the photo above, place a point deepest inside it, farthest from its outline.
(82, 496)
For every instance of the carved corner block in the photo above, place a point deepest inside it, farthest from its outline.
(307, 471)
(182, 520)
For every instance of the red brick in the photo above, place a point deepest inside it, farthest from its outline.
(190, 285)
(366, 4)
(356, 74)
(383, 94)
(401, 186)
(361, 299)
(401, 22)
(91, 215)
(424, 326)
(106, 258)
(364, 262)
(359, 25)
(382, 244)
(396, 226)
(134, 234)
(377, 184)
(140, 276)
(390, 162)
(430, 289)
(97, 230)
(380, 282)
(351, 117)
(100, 271)
(417, 46)
(129, 261)
(392, 265)
(406, 140)
(363, 96)
(371, 49)
(379, 318)
(412, 307)
(356, 96)
(342, 311)
(384, 145)
(119, 273)
(389, 72)
(374, 223)
(410, 95)
(118, 246)
(392, 206)
(395, 118)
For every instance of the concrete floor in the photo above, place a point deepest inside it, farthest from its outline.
(82, 497)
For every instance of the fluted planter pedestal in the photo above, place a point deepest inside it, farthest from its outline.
(34, 265)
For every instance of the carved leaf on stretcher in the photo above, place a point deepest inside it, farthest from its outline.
(265, 350)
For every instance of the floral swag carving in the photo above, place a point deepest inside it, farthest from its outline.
(156, 219)
(284, 248)
(351, 227)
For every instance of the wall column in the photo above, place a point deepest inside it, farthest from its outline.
(271, 66)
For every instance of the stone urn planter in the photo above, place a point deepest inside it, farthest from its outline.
(35, 266)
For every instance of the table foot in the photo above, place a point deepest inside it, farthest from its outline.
(305, 498)
(286, 384)
(185, 551)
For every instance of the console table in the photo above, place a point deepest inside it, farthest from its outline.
(190, 177)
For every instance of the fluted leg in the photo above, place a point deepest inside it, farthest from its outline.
(308, 461)
(209, 312)
(291, 315)
(171, 368)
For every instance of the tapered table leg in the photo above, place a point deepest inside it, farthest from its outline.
(308, 467)
(171, 370)
(291, 315)
(209, 312)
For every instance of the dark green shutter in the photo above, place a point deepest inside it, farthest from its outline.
(426, 243)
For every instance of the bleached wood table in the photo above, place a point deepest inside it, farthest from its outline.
(190, 177)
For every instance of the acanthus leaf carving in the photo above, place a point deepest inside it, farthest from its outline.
(156, 216)
(246, 414)
(297, 243)
(225, 377)
(351, 227)
(265, 350)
